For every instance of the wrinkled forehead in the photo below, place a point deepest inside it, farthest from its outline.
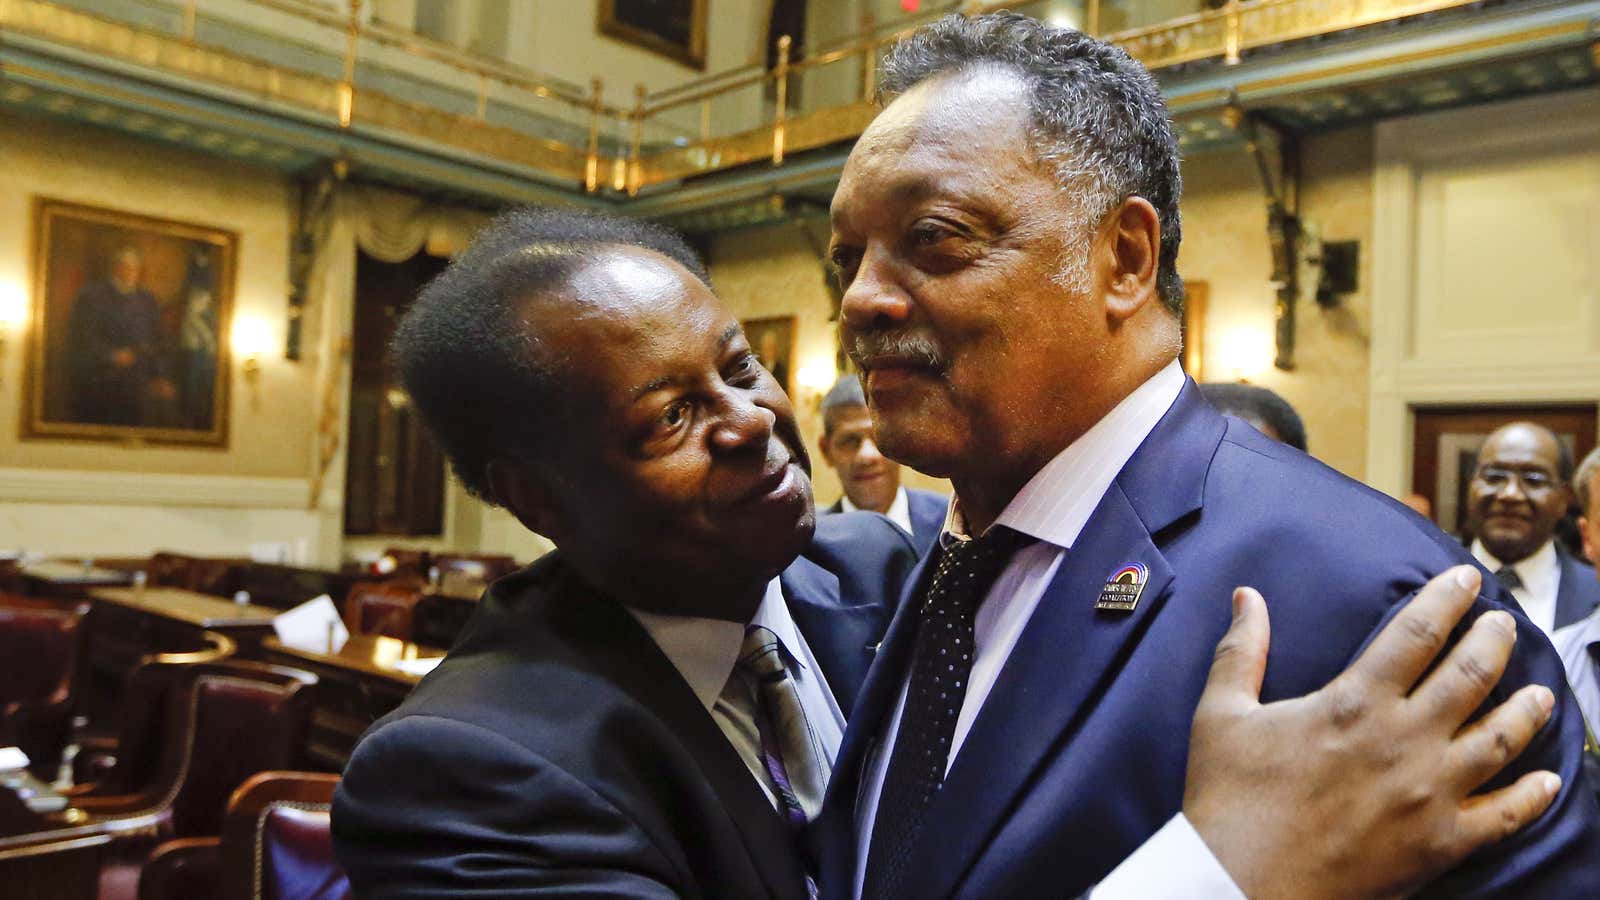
(972, 123)
(1521, 448)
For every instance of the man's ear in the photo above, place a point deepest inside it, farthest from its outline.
(1134, 245)
(528, 496)
(1589, 548)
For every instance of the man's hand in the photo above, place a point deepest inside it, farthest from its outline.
(1362, 788)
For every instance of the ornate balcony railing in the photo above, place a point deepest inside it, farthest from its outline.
(352, 73)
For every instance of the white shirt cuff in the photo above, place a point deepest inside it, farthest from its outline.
(1174, 864)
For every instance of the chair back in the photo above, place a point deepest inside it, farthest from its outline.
(276, 840)
(232, 720)
(38, 649)
(142, 708)
(382, 607)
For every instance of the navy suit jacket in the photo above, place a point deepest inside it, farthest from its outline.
(1079, 753)
(1578, 592)
(927, 510)
(556, 750)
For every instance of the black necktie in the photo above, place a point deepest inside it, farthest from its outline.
(940, 664)
(1509, 577)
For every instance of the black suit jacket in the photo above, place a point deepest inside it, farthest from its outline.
(556, 750)
(927, 510)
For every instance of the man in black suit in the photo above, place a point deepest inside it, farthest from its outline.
(619, 719)
(1519, 491)
(871, 481)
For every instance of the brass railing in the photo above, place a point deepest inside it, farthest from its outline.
(731, 118)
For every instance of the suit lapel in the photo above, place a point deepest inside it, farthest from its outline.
(1570, 604)
(624, 652)
(1069, 652)
(1066, 655)
(835, 830)
(842, 637)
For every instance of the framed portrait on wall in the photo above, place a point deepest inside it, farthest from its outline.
(673, 28)
(773, 342)
(129, 327)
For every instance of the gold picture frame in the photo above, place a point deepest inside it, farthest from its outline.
(129, 327)
(675, 29)
(773, 341)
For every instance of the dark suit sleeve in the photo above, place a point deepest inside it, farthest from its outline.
(1558, 855)
(433, 807)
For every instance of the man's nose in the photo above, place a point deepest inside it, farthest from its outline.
(869, 452)
(742, 423)
(1511, 489)
(874, 298)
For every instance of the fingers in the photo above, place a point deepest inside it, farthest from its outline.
(1463, 681)
(1483, 748)
(1241, 659)
(1492, 817)
(1405, 647)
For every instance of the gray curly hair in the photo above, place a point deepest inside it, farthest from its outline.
(1098, 119)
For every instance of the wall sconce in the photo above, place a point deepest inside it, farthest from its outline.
(13, 317)
(1245, 352)
(252, 337)
(812, 381)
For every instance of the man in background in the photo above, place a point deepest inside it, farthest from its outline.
(112, 345)
(871, 480)
(1267, 412)
(1579, 643)
(1518, 494)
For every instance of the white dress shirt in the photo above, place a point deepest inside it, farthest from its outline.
(704, 652)
(899, 511)
(1053, 508)
(1541, 580)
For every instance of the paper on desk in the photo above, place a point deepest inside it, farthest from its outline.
(418, 667)
(314, 626)
(12, 758)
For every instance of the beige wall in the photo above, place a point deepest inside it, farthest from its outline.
(774, 271)
(102, 498)
(1225, 245)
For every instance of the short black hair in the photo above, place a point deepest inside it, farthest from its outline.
(464, 351)
(1098, 117)
(1258, 404)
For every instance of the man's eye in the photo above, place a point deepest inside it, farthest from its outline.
(746, 368)
(927, 234)
(843, 261)
(675, 414)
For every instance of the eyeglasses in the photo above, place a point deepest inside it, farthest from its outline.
(1497, 478)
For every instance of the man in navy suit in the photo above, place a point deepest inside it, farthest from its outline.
(1518, 494)
(871, 480)
(1007, 232)
(651, 710)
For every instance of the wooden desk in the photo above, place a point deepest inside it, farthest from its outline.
(357, 686)
(201, 611)
(48, 857)
(61, 579)
(125, 624)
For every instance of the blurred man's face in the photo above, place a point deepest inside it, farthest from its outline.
(1589, 522)
(869, 478)
(1516, 496)
(125, 271)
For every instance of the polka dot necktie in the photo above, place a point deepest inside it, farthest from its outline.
(940, 664)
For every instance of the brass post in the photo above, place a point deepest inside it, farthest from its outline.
(705, 120)
(1091, 24)
(191, 12)
(869, 56)
(347, 87)
(636, 146)
(1231, 53)
(781, 115)
(483, 96)
(591, 163)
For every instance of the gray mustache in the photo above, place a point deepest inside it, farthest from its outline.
(881, 347)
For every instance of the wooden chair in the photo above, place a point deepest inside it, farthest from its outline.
(122, 758)
(39, 650)
(223, 722)
(382, 607)
(275, 844)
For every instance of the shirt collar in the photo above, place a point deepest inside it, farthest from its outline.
(705, 650)
(1538, 567)
(1056, 503)
(899, 511)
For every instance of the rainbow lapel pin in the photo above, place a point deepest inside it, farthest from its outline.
(1122, 589)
